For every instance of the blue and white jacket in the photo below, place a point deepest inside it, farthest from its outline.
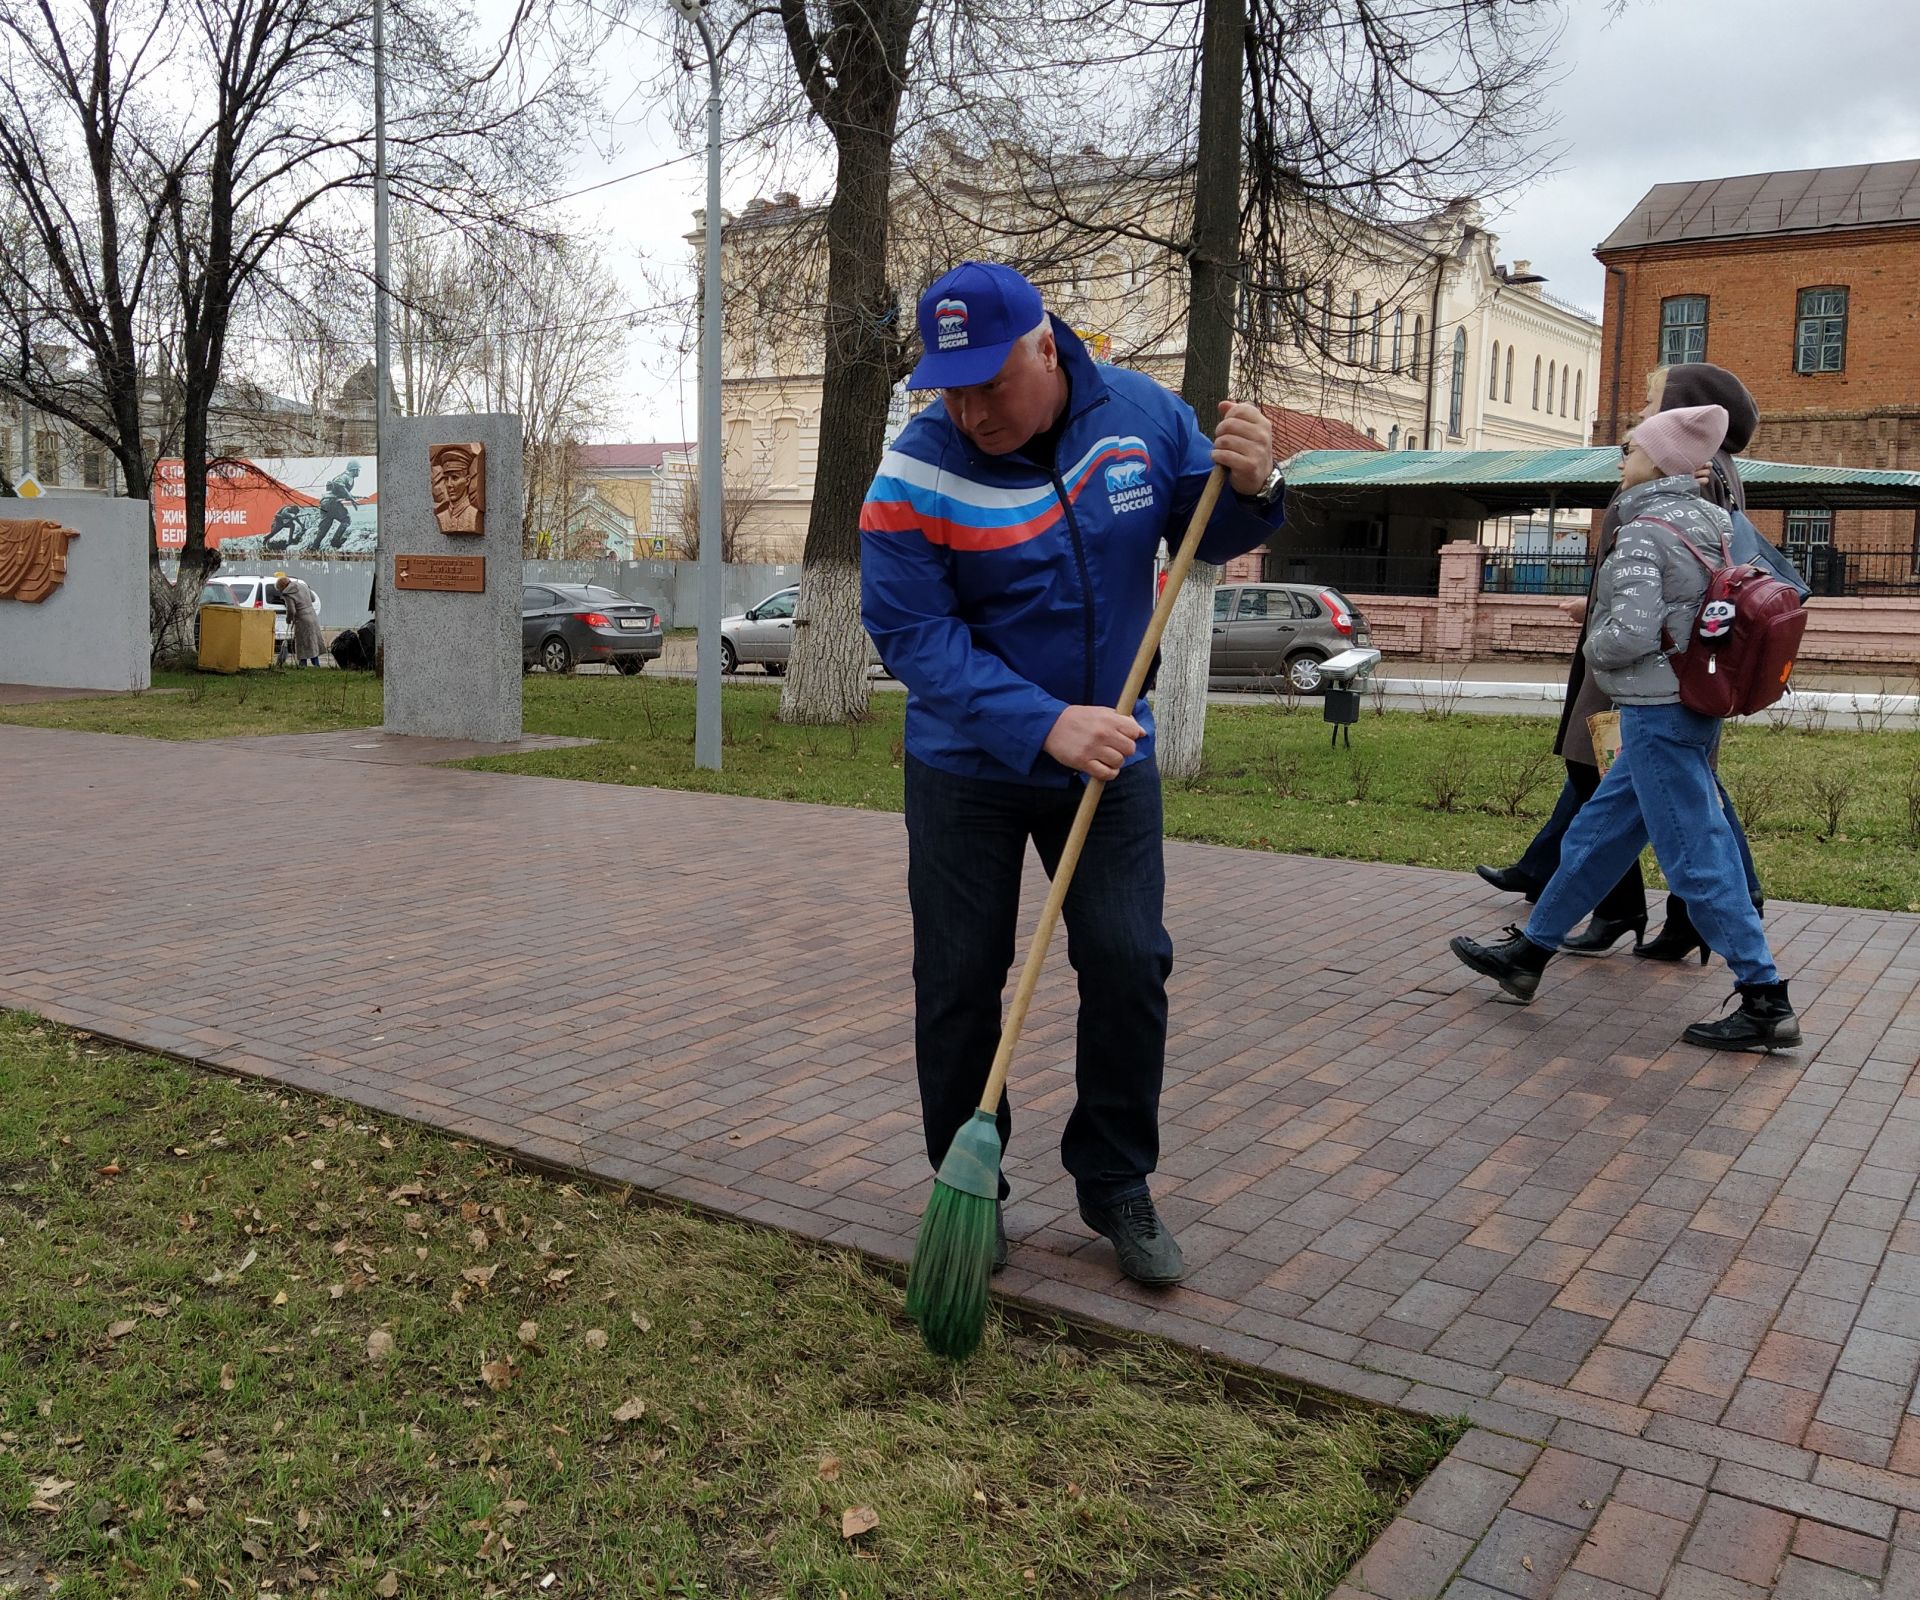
(1000, 594)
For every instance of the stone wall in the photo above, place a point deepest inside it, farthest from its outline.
(92, 631)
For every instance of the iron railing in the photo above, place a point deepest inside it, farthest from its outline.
(1882, 573)
(1889, 573)
(1533, 572)
(1357, 571)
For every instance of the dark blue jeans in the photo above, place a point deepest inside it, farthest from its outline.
(1626, 901)
(966, 846)
(1660, 788)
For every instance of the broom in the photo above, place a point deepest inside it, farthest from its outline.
(953, 1259)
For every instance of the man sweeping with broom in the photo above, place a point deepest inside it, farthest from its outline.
(1007, 577)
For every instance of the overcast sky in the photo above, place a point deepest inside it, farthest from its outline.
(1669, 90)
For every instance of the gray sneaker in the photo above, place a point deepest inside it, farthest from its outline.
(1148, 1252)
(999, 1235)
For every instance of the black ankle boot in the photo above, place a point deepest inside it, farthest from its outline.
(1765, 1021)
(1676, 940)
(1601, 934)
(1515, 963)
(1509, 880)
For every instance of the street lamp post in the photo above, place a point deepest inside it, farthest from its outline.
(706, 723)
(382, 265)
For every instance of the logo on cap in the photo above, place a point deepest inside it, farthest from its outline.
(950, 316)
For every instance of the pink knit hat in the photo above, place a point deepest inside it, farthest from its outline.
(1682, 441)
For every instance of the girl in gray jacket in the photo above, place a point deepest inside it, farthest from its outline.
(1661, 786)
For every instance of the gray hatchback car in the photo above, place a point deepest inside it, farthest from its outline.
(1282, 630)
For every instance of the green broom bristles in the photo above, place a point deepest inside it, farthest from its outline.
(947, 1287)
(953, 1259)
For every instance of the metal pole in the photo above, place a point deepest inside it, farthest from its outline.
(706, 723)
(382, 353)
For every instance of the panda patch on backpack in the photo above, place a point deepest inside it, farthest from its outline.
(1716, 620)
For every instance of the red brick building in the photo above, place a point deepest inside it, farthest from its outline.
(1807, 285)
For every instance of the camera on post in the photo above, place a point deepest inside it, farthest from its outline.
(1344, 676)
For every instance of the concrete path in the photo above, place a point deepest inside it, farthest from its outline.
(1678, 1294)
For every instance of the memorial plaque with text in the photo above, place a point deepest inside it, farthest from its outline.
(448, 574)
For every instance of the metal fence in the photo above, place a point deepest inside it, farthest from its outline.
(1533, 572)
(1876, 574)
(1357, 571)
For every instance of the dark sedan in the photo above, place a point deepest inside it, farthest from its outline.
(565, 625)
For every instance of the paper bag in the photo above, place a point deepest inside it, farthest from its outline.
(1603, 727)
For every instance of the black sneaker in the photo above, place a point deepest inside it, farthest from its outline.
(1148, 1252)
(999, 1235)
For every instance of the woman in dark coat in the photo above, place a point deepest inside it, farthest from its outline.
(1624, 910)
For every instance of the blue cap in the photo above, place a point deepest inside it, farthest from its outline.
(970, 320)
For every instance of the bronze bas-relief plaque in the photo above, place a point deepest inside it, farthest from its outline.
(33, 559)
(459, 477)
(448, 574)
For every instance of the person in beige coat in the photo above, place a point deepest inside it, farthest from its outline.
(303, 612)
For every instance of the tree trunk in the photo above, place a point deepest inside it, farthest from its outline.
(827, 679)
(1180, 701)
(173, 607)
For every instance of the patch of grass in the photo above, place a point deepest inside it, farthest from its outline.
(254, 1342)
(1436, 790)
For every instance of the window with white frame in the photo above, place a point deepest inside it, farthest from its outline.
(1493, 373)
(1683, 329)
(1807, 531)
(1399, 323)
(1821, 341)
(1507, 395)
(1457, 399)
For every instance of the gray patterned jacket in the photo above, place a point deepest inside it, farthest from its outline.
(1651, 586)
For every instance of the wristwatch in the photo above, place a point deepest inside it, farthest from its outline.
(1268, 494)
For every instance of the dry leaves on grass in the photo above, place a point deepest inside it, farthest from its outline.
(119, 1330)
(379, 1345)
(856, 1520)
(46, 1491)
(631, 1411)
(388, 1586)
(529, 1333)
(480, 1275)
(595, 1338)
(829, 1469)
(497, 1375)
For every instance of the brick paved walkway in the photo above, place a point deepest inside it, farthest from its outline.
(1678, 1294)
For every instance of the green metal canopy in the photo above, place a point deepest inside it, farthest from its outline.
(1522, 480)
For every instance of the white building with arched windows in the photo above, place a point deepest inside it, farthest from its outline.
(1416, 336)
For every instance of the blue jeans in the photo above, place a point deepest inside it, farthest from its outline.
(1660, 789)
(1626, 900)
(966, 846)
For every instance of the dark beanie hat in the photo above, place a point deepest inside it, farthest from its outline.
(1701, 383)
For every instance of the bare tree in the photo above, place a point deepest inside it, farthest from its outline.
(533, 326)
(1322, 141)
(836, 82)
(743, 492)
(137, 223)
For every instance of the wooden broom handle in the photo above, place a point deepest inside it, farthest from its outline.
(1090, 798)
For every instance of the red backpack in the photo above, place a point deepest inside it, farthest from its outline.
(1745, 637)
